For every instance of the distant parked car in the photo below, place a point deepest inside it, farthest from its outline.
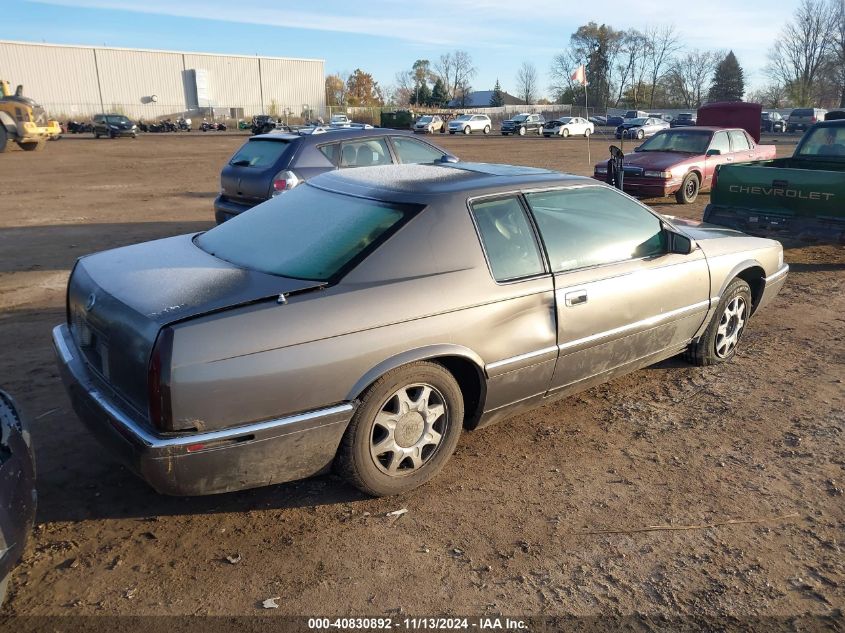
(641, 128)
(469, 123)
(615, 121)
(684, 119)
(429, 124)
(772, 122)
(270, 164)
(340, 120)
(598, 120)
(568, 126)
(635, 114)
(113, 125)
(17, 488)
(522, 124)
(801, 119)
(661, 116)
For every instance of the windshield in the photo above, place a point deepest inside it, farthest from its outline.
(678, 140)
(827, 141)
(639, 121)
(520, 117)
(564, 120)
(464, 117)
(424, 119)
(307, 233)
(116, 119)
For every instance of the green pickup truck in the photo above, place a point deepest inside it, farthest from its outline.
(801, 197)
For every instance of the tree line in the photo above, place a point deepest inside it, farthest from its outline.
(633, 68)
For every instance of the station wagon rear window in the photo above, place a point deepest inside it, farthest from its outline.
(259, 153)
(308, 233)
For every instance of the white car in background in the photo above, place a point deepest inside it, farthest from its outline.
(340, 120)
(428, 124)
(568, 126)
(469, 123)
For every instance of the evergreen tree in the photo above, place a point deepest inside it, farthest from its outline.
(728, 81)
(423, 95)
(497, 99)
(439, 96)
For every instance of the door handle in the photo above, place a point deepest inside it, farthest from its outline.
(576, 297)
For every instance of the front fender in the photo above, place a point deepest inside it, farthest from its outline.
(410, 356)
(744, 265)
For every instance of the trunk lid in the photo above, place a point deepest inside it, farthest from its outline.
(119, 300)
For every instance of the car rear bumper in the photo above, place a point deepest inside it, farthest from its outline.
(824, 230)
(257, 454)
(225, 209)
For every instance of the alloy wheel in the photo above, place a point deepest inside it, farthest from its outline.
(408, 429)
(730, 327)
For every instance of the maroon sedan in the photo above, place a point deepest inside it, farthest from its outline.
(681, 161)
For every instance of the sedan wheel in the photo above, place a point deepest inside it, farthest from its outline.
(721, 338)
(564, 132)
(522, 131)
(404, 431)
(688, 192)
(487, 129)
(587, 133)
(467, 130)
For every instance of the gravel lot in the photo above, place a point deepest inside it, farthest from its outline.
(541, 514)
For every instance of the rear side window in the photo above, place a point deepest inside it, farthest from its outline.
(307, 233)
(259, 153)
(508, 239)
(410, 150)
(739, 142)
(332, 152)
(590, 226)
(363, 153)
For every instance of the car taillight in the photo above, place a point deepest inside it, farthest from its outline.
(158, 381)
(284, 181)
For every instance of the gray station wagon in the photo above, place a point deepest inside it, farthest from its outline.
(364, 319)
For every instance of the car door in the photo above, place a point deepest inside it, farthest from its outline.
(621, 298)
(721, 145)
(742, 147)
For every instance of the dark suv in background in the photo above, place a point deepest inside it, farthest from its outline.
(267, 165)
(772, 122)
(801, 119)
(684, 119)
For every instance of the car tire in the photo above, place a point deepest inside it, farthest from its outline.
(540, 131)
(96, 135)
(451, 131)
(565, 132)
(4, 138)
(487, 129)
(404, 463)
(33, 146)
(720, 340)
(587, 133)
(522, 131)
(689, 189)
(467, 130)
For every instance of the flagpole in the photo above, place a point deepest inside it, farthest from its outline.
(587, 115)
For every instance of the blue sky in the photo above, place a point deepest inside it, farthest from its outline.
(385, 36)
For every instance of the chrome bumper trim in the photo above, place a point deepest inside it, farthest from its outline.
(780, 273)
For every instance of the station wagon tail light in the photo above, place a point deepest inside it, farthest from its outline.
(666, 175)
(158, 381)
(284, 181)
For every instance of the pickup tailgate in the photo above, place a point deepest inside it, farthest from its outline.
(779, 197)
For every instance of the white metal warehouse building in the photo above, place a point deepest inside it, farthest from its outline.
(78, 81)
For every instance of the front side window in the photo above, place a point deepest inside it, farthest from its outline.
(590, 226)
(363, 153)
(508, 239)
(410, 150)
(720, 142)
(308, 233)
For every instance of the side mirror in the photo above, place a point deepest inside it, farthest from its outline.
(677, 244)
(713, 152)
(448, 158)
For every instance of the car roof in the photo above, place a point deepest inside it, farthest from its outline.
(331, 134)
(418, 182)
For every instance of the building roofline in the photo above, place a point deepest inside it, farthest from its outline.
(153, 50)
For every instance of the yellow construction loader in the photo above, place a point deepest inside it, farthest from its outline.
(23, 121)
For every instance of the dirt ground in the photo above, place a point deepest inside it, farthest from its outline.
(513, 524)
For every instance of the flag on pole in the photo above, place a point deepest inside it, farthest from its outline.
(580, 75)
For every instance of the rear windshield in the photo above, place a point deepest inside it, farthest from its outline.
(684, 115)
(802, 112)
(259, 153)
(678, 140)
(307, 233)
(824, 141)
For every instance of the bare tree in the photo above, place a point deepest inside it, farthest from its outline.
(661, 43)
(403, 88)
(632, 68)
(689, 75)
(838, 55)
(798, 58)
(526, 82)
(456, 70)
(770, 96)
